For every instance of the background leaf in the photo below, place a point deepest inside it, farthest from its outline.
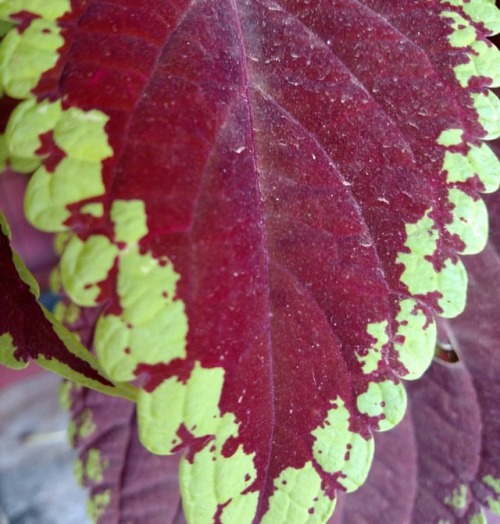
(30, 332)
(126, 483)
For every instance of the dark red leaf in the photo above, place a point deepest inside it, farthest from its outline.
(28, 331)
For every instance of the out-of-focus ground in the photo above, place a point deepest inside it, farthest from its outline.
(37, 485)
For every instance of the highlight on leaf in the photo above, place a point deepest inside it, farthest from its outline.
(266, 203)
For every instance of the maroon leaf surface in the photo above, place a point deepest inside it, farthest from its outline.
(446, 418)
(34, 247)
(28, 332)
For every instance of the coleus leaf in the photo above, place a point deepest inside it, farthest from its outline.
(433, 465)
(268, 207)
(439, 464)
(29, 332)
(126, 482)
(480, 356)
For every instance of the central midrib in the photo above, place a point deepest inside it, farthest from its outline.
(246, 80)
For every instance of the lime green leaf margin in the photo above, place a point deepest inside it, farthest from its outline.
(464, 162)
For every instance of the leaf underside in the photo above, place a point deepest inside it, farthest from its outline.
(266, 200)
(126, 482)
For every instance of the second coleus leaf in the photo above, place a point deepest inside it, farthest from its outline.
(28, 332)
(267, 200)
